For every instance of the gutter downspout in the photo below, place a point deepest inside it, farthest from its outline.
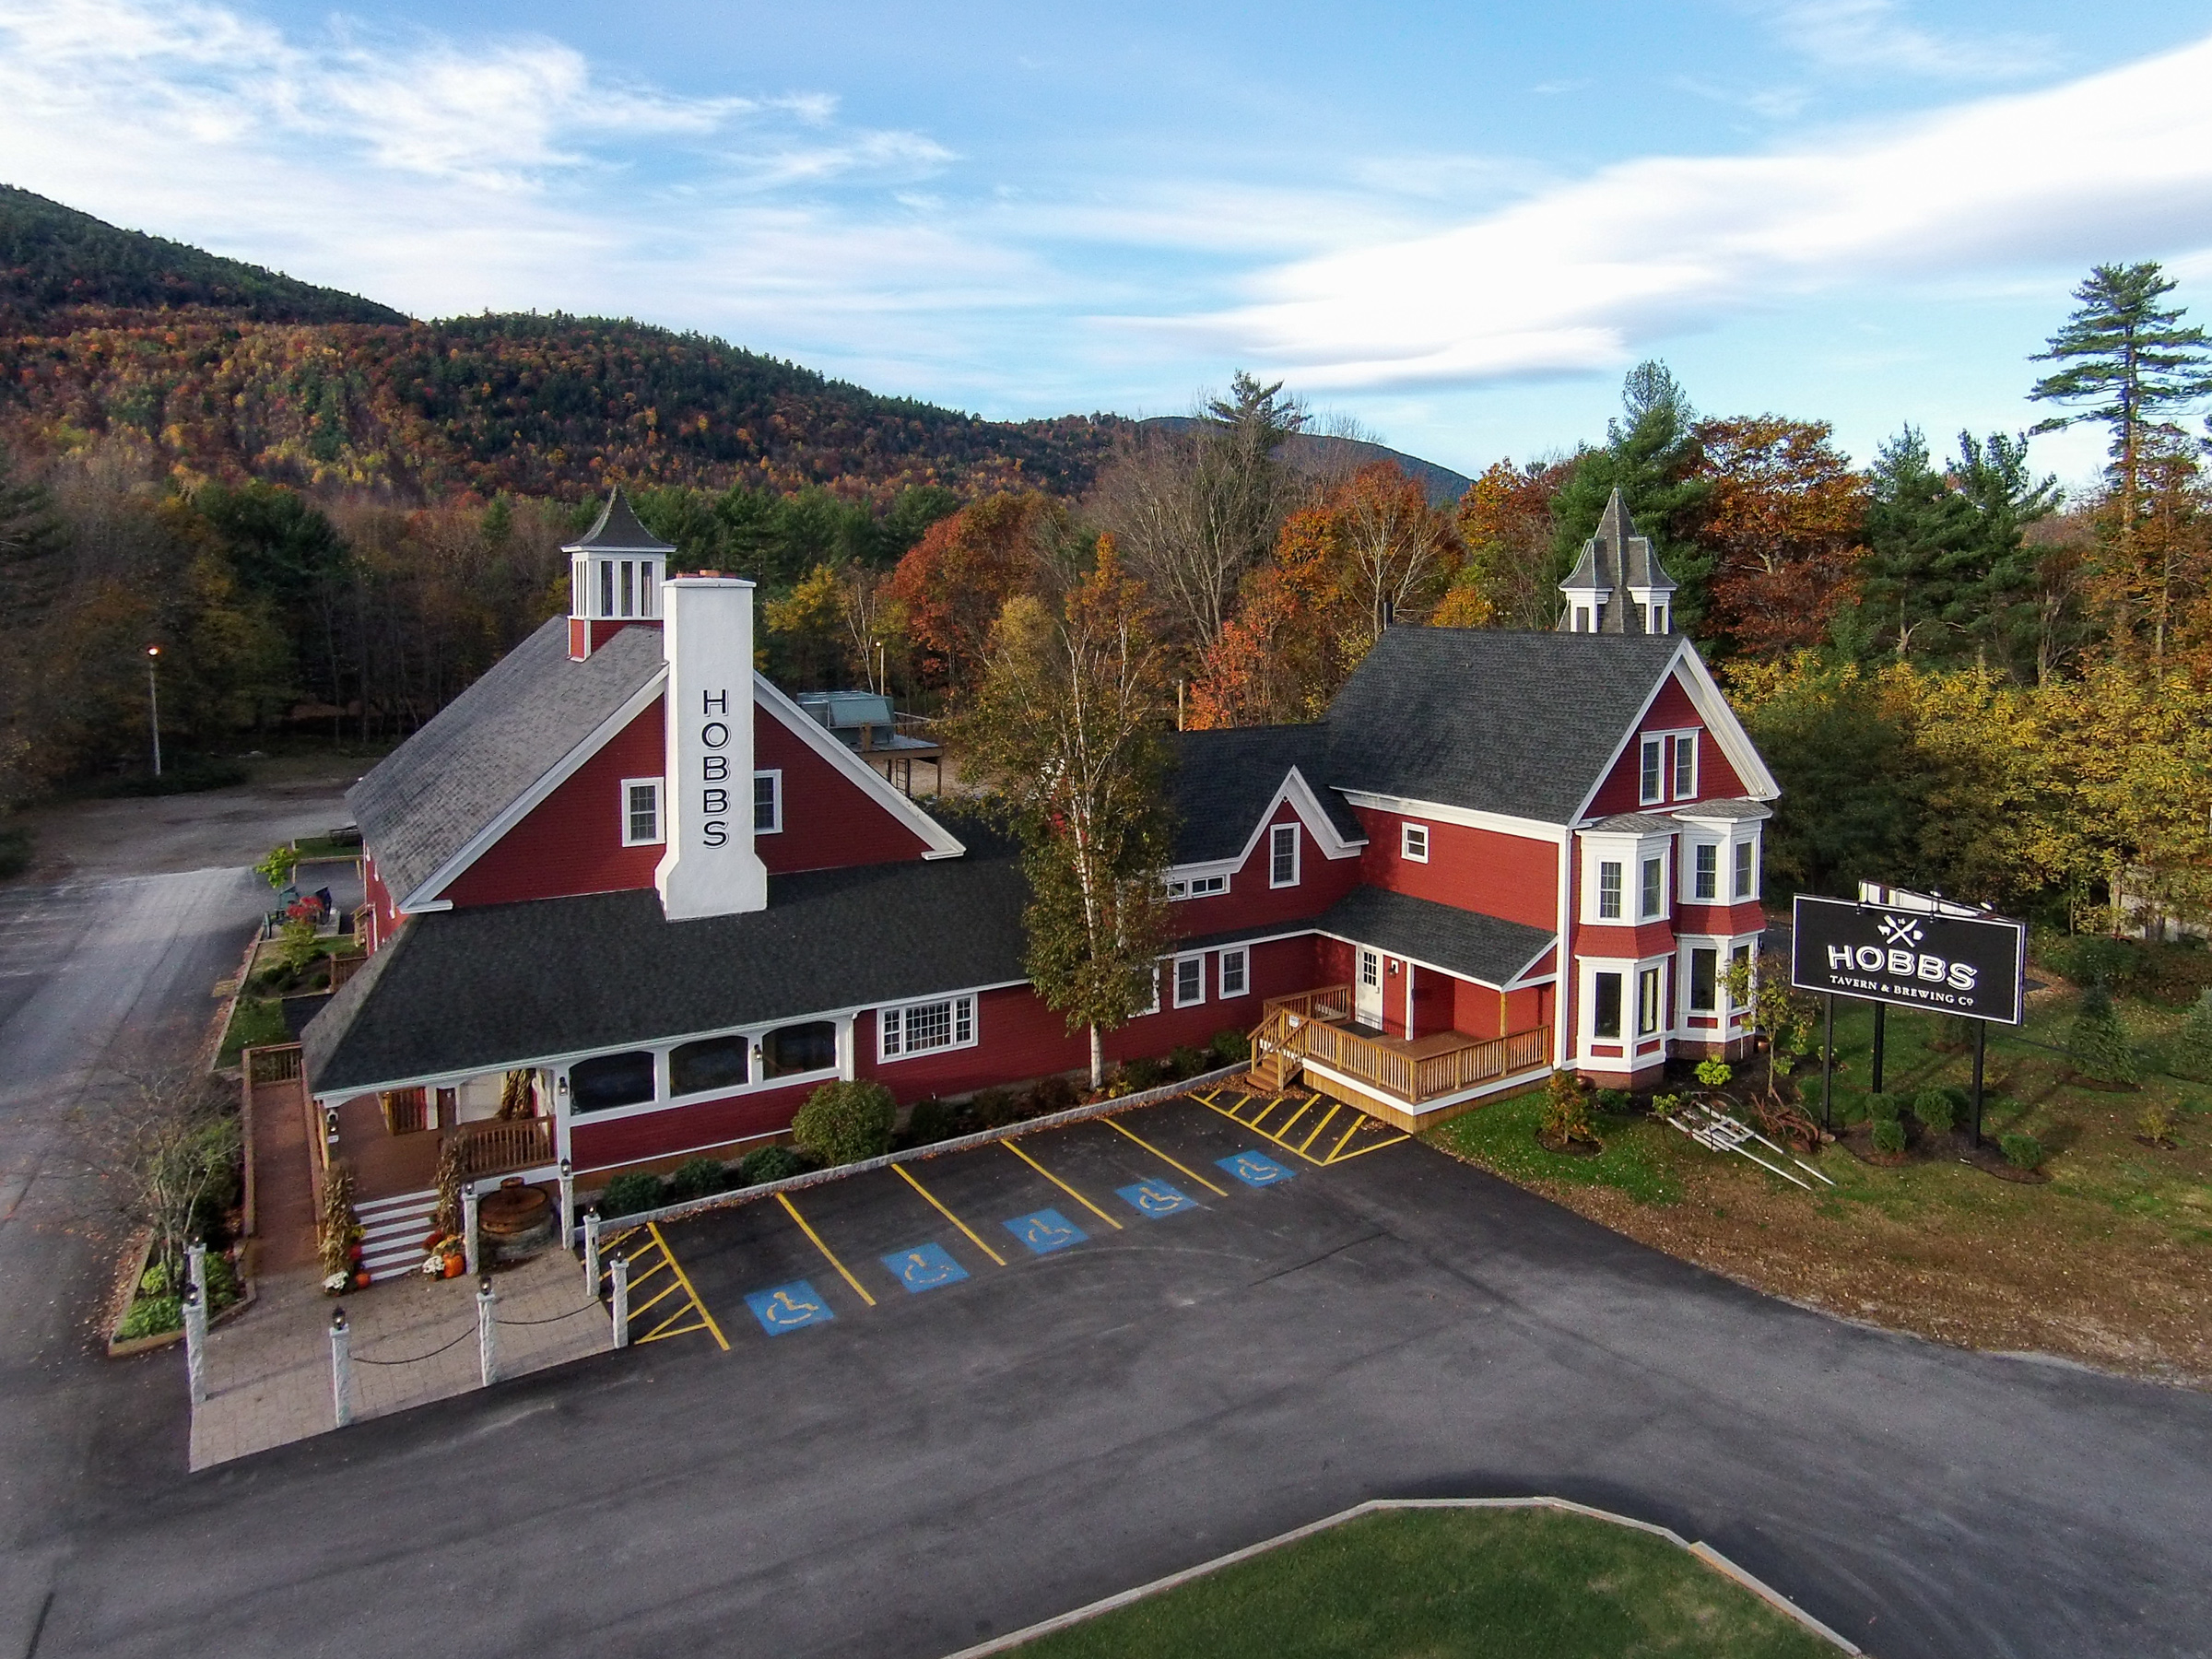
(1566, 981)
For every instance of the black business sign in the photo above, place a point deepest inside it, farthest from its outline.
(1969, 965)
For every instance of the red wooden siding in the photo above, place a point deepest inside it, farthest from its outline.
(385, 913)
(1250, 903)
(572, 841)
(1671, 711)
(595, 1144)
(1470, 869)
(829, 823)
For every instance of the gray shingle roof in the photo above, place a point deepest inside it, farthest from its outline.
(483, 988)
(1636, 823)
(1725, 809)
(1616, 558)
(1490, 719)
(616, 529)
(1488, 948)
(486, 748)
(1223, 781)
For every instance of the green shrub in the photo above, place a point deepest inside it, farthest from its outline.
(630, 1192)
(1884, 1107)
(764, 1164)
(1567, 1110)
(932, 1120)
(151, 1316)
(996, 1108)
(2098, 1044)
(1050, 1094)
(1232, 1047)
(154, 1281)
(843, 1123)
(1185, 1061)
(1714, 1074)
(2021, 1151)
(1141, 1075)
(1614, 1102)
(2094, 959)
(2192, 1055)
(696, 1177)
(1889, 1134)
(1935, 1109)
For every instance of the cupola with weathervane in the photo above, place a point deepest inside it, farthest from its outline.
(615, 571)
(1617, 586)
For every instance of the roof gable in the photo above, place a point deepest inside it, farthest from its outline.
(1524, 724)
(1224, 785)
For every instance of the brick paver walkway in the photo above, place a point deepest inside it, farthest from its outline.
(268, 1371)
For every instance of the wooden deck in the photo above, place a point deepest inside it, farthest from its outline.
(1411, 1083)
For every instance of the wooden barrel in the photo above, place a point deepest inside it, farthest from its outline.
(516, 1221)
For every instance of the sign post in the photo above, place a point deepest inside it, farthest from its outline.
(1911, 950)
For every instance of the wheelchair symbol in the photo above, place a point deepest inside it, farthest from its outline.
(788, 1308)
(925, 1267)
(1045, 1232)
(1155, 1198)
(1254, 1170)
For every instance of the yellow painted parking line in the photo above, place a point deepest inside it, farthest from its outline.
(949, 1216)
(1363, 1151)
(1291, 1123)
(1357, 1123)
(1147, 1146)
(1062, 1185)
(859, 1290)
(684, 1279)
(1257, 1118)
(667, 1290)
(1309, 1139)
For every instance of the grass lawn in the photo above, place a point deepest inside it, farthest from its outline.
(315, 848)
(1422, 1583)
(2110, 1262)
(255, 1022)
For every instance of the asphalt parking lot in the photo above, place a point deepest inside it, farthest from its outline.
(976, 1234)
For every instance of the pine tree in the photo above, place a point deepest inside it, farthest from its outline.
(2131, 364)
(2192, 1055)
(2098, 1044)
(1652, 456)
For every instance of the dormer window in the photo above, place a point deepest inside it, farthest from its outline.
(1686, 767)
(1581, 618)
(1658, 619)
(1282, 855)
(1651, 774)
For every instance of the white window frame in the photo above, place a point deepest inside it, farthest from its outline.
(1242, 958)
(1196, 887)
(1699, 851)
(1154, 1007)
(894, 1027)
(1275, 834)
(1650, 887)
(1619, 894)
(1651, 770)
(1743, 872)
(1685, 743)
(1581, 618)
(1652, 974)
(1413, 843)
(1592, 972)
(1196, 964)
(660, 813)
(1718, 950)
(774, 775)
(1658, 619)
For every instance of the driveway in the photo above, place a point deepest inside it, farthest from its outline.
(967, 1455)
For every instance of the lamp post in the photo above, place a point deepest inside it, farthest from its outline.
(153, 704)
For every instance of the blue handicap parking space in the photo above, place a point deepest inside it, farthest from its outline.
(1155, 1198)
(788, 1308)
(1045, 1231)
(925, 1267)
(1255, 1169)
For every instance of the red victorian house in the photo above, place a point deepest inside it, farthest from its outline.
(629, 902)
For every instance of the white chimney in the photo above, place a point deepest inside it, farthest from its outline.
(709, 868)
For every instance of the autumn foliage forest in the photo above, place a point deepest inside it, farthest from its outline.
(331, 519)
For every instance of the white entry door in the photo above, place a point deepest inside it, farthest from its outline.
(1367, 989)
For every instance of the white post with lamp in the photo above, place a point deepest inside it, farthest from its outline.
(153, 704)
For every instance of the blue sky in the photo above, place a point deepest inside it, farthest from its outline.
(1457, 225)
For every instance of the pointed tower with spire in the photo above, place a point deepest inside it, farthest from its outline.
(1617, 586)
(615, 570)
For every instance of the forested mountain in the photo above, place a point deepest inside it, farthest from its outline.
(234, 372)
(57, 265)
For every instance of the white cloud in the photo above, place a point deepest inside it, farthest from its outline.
(1860, 35)
(2117, 164)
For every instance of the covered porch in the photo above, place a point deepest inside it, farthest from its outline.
(1312, 1037)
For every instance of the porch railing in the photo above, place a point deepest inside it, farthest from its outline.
(1386, 1068)
(501, 1145)
(278, 1063)
(343, 967)
(1327, 1002)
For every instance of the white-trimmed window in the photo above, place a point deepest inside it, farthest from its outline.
(1685, 765)
(641, 812)
(1704, 979)
(1605, 1005)
(1581, 618)
(1282, 855)
(924, 1028)
(1650, 1001)
(1154, 1008)
(1705, 871)
(1609, 890)
(1655, 890)
(1651, 774)
(1746, 873)
(1190, 981)
(1658, 619)
(1196, 887)
(1236, 972)
(768, 803)
(1413, 843)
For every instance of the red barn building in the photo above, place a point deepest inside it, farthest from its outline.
(629, 902)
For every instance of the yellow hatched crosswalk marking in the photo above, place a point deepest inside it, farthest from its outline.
(653, 1259)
